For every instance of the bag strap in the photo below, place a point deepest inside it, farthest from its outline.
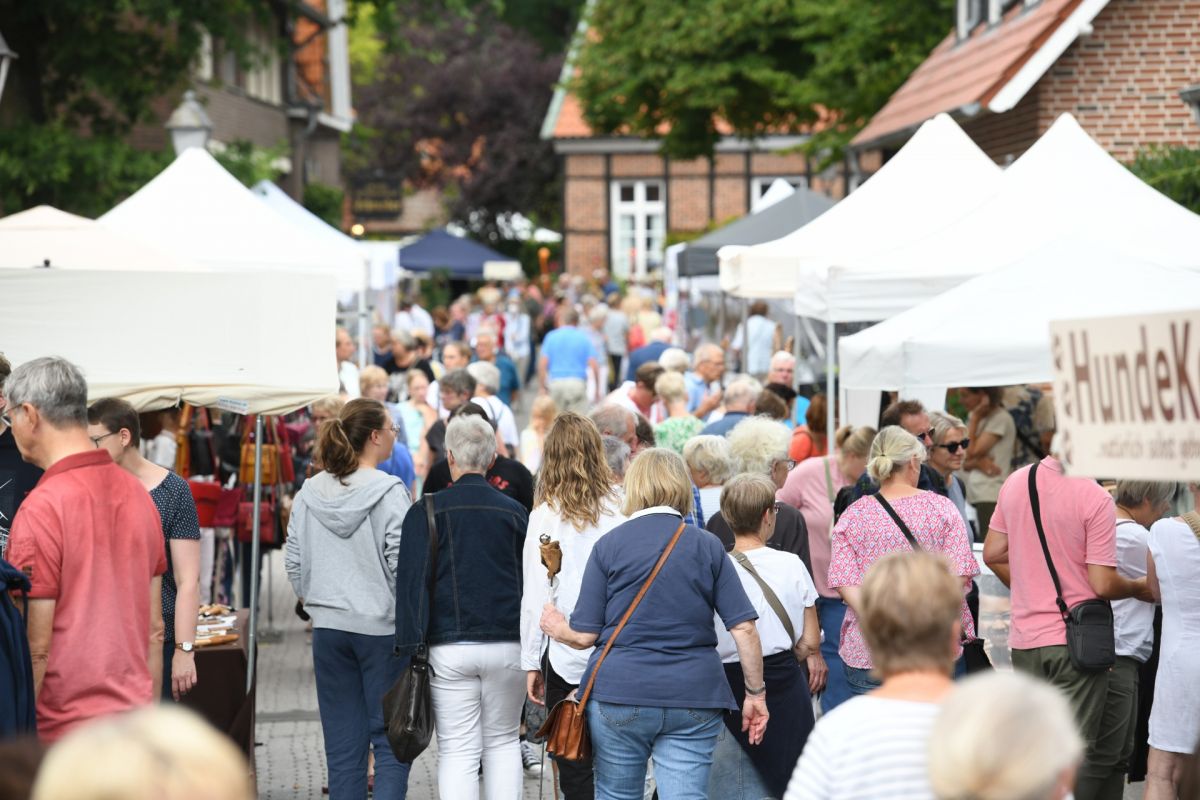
(629, 612)
(431, 518)
(769, 593)
(912, 540)
(1192, 518)
(1037, 519)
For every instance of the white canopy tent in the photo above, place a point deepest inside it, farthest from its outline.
(198, 210)
(993, 330)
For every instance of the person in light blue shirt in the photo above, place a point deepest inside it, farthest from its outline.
(708, 367)
(568, 357)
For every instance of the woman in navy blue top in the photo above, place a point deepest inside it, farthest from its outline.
(661, 692)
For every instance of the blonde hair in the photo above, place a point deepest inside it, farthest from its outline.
(854, 441)
(161, 752)
(371, 376)
(910, 604)
(670, 387)
(657, 477)
(709, 454)
(891, 450)
(328, 406)
(757, 443)
(941, 423)
(1002, 736)
(744, 500)
(543, 408)
(675, 359)
(574, 479)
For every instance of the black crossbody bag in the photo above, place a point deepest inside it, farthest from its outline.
(1090, 641)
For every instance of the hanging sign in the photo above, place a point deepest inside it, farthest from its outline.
(1127, 396)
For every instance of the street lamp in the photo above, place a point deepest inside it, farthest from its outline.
(189, 124)
(7, 56)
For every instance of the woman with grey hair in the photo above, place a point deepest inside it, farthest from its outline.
(472, 622)
(946, 456)
(675, 359)
(708, 462)
(900, 517)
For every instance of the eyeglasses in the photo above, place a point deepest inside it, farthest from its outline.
(395, 428)
(6, 419)
(952, 447)
(791, 464)
(96, 440)
(927, 436)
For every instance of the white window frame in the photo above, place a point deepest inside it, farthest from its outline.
(759, 185)
(642, 210)
(970, 14)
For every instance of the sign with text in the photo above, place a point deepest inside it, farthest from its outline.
(1127, 395)
(379, 197)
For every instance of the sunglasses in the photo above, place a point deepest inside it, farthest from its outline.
(952, 447)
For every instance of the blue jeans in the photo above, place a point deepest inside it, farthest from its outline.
(354, 672)
(680, 740)
(733, 775)
(830, 612)
(861, 682)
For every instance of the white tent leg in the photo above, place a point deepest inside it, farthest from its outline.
(745, 336)
(254, 553)
(830, 382)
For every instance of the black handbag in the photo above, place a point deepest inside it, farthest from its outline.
(975, 657)
(1090, 640)
(408, 705)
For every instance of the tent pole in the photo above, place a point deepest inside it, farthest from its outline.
(745, 336)
(830, 382)
(796, 339)
(254, 553)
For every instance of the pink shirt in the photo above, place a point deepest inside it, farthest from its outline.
(1081, 528)
(90, 538)
(808, 488)
(866, 533)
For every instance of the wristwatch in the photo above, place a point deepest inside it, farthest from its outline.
(756, 692)
(186, 647)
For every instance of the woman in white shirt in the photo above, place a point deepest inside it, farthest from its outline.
(575, 505)
(708, 460)
(784, 596)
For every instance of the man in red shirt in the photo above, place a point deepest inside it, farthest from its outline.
(90, 540)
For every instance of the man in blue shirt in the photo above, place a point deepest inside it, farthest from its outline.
(660, 342)
(510, 383)
(740, 400)
(708, 367)
(567, 358)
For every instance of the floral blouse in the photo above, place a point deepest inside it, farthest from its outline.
(674, 432)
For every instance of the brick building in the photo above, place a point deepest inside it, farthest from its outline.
(1127, 69)
(621, 197)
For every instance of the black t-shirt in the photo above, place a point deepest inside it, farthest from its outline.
(791, 533)
(391, 367)
(17, 479)
(436, 438)
(507, 475)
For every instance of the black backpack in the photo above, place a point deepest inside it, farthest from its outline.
(17, 714)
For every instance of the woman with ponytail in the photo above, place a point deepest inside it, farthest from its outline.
(341, 554)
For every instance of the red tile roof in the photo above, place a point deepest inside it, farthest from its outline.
(959, 74)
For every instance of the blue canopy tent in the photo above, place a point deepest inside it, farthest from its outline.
(462, 258)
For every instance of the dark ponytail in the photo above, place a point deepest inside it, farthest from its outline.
(343, 438)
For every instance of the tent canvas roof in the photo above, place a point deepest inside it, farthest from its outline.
(463, 258)
(198, 210)
(939, 174)
(773, 222)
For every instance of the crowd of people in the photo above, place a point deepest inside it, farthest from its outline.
(746, 607)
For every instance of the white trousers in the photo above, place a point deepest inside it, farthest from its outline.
(208, 549)
(478, 692)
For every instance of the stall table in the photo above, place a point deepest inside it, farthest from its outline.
(220, 693)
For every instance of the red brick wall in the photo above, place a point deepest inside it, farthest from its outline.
(1006, 136)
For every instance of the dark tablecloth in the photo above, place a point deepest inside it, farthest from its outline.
(220, 692)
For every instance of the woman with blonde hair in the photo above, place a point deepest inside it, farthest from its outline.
(661, 691)
(811, 489)
(876, 745)
(899, 518)
(576, 506)
(1004, 736)
(533, 438)
(680, 424)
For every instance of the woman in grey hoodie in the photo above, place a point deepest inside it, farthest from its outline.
(343, 540)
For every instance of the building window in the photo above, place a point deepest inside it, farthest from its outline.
(759, 186)
(970, 14)
(639, 214)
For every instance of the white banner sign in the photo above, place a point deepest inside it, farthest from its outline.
(1127, 395)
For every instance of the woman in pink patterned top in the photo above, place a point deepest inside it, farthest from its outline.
(866, 532)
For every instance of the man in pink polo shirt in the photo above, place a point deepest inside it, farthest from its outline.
(90, 541)
(1079, 520)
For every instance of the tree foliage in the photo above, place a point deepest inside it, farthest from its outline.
(1174, 171)
(250, 163)
(689, 72)
(325, 201)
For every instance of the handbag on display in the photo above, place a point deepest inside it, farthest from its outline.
(565, 729)
(194, 450)
(206, 495)
(408, 705)
(266, 522)
(270, 455)
(226, 513)
(1091, 643)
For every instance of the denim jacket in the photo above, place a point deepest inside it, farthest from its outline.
(477, 595)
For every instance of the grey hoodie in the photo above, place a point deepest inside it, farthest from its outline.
(341, 550)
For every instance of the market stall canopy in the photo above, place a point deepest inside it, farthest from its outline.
(198, 210)
(200, 337)
(993, 330)
(769, 224)
(46, 237)
(1064, 187)
(462, 258)
(939, 175)
(384, 260)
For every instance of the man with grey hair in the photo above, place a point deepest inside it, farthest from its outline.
(455, 389)
(617, 422)
(616, 455)
(487, 383)
(740, 399)
(704, 389)
(90, 542)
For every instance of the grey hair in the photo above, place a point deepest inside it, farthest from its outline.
(703, 352)
(404, 339)
(472, 441)
(891, 451)
(486, 375)
(781, 356)
(612, 420)
(710, 455)
(616, 454)
(674, 359)
(743, 392)
(756, 444)
(597, 313)
(458, 381)
(941, 423)
(52, 385)
(1132, 494)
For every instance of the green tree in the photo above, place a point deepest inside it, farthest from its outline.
(690, 72)
(1174, 171)
(325, 201)
(249, 163)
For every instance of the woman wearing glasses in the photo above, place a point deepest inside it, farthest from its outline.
(946, 456)
(341, 553)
